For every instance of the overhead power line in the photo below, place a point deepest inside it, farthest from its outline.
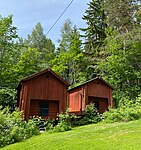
(59, 17)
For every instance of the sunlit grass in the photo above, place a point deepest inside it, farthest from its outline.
(116, 136)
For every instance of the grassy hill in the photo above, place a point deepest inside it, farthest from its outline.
(115, 136)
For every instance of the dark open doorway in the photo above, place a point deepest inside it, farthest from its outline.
(44, 108)
(100, 103)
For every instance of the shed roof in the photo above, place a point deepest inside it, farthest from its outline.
(43, 72)
(97, 78)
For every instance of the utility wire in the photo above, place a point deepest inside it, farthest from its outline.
(59, 18)
(56, 20)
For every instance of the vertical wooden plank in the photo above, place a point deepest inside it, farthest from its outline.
(42, 88)
(95, 88)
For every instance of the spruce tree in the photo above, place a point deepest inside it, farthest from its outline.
(94, 34)
(95, 31)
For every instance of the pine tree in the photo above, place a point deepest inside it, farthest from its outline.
(69, 60)
(94, 34)
(44, 45)
(121, 14)
(65, 34)
(95, 31)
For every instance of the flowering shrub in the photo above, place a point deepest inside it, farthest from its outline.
(13, 128)
(64, 122)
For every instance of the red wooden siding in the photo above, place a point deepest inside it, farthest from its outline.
(103, 103)
(98, 89)
(76, 101)
(46, 86)
(53, 109)
(34, 108)
(91, 91)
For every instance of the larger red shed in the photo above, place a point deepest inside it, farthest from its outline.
(42, 94)
(95, 91)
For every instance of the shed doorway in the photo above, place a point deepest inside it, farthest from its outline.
(44, 108)
(100, 103)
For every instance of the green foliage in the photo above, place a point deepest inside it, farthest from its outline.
(69, 62)
(90, 115)
(122, 114)
(7, 98)
(49, 124)
(8, 52)
(138, 100)
(96, 26)
(94, 36)
(65, 33)
(138, 16)
(64, 122)
(112, 48)
(123, 64)
(115, 136)
(9, 56)
(121, 15)
(128, 111)
(13, 128)
(28, 64)
(38, 40)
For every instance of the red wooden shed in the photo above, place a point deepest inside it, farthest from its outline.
(42, 94)
(95, 91)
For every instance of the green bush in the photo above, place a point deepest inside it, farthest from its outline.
(91, 115)
(120, 114)
(128, 111)
(64, 122)
(13, 128)
(49, 124)
(7, 98)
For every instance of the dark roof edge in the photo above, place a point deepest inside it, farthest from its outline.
(42, 72)
(100, 78)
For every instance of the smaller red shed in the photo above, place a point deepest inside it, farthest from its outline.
(42, 94)
(95, 91)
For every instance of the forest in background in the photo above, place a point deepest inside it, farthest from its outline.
(110, 47)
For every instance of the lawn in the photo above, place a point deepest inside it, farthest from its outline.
(115, 136)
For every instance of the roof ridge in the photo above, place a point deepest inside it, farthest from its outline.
(42, 72)
(100, 78)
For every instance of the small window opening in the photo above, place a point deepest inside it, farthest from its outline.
(96, 104)
(43, 108)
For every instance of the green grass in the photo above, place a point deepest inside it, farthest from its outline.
(115, 136)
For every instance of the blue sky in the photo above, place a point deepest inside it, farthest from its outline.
(26, 14)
